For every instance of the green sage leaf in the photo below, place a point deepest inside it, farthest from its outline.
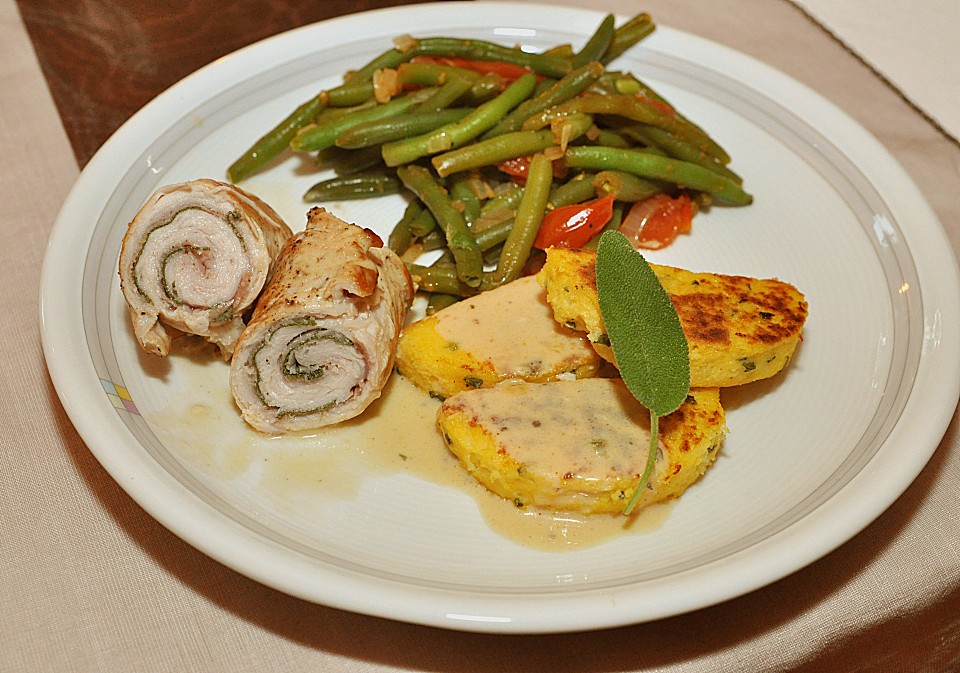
(645, 334)
(644, 328)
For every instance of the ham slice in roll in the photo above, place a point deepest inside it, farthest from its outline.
(194, 260)
(321, 342)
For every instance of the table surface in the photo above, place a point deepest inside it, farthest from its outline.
(106, 59)
(92, 583)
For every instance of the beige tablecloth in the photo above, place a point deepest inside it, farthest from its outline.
(927, 73)
(89, 582)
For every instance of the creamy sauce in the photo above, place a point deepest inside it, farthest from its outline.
(609, 437)
(207, 433)
(514, 323)
(560, 531)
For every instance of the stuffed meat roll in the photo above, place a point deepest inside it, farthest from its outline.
(321, 342)
(194, 259)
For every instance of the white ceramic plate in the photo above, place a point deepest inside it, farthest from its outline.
(812, 457)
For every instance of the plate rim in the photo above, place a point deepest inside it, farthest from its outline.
(129, 473)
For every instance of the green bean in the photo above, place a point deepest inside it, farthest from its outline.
(637, 109)
(572, 85)
(492, 218)
(648, 165)
(493, 151)
(453, 83)
(597, 45)
(423, 224)
(464, 198)
(434, 240)
(628, 34)
(517, 247)
(460, 132)
(498, 210)
(509, 146)
(492, 255)
(550, 66)
(444, 279)
(350, 187)
(489, 239)
(625, 186)
(608, 138)
(432, 74)
(356, 89)
(271, 144)
(391, 58)
(577, 189)
(486, 88)
(410, 213)
(507, 196)
(331, 114)
(445, 259)
(401, 238)
(349, 162)
(495, 235)
(560, 51)
(319, 136)
(439, 301)
(616, 82)
(459, 239)
(395, 127)
(449, 92)
(678, 148)
(627, 83)
(543, 84)
(346, 95)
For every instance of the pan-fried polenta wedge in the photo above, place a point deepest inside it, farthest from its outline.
(739, 329)
(505, 333)
(518, 440)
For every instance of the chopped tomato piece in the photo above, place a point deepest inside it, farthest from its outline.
(656, 222)
(518, 167)
(572, 226)
(509, 71)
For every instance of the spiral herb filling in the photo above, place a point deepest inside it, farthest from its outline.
(320, 344)
(303, 367)
(193, 261)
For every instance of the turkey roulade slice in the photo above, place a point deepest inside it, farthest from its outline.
(194, 260)
(321, 342)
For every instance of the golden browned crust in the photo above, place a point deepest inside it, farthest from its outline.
(739, 329)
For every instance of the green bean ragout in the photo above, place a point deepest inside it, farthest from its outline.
(483, 141)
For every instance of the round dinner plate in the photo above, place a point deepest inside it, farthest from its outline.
(812, 456)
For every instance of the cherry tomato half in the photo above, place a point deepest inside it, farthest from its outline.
(572, 226)
(657, 221)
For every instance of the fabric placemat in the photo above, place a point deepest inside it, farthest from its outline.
(911, 44)
(89, 582)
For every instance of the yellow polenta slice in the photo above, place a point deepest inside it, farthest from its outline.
(581, 445)
(739, 329)
(505, 333)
